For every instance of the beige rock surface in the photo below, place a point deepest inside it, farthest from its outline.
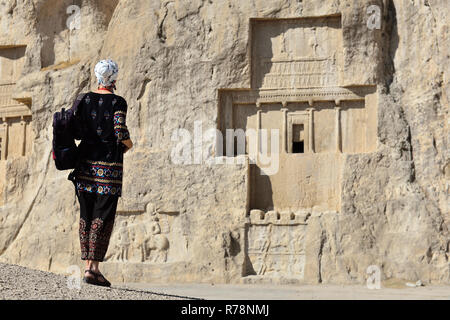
(368, 104)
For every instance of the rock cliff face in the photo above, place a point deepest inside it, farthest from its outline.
(357, 89)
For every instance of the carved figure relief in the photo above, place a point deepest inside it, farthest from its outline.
(141, 236)
(276, 245)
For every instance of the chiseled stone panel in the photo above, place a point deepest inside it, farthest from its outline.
(275, 244)
(148, 236)
(296, 67)
(16, 134)
(12, 58)
(296, 53)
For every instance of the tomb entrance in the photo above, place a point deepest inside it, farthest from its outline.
(16, 133)
(296, 68)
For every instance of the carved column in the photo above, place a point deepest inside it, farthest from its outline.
(5, 142)
(338, 129)
(285, 130)
(23, 123)
(311, 130)
(230, 103)
(258, 131)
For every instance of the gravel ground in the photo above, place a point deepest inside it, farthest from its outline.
(19, 283)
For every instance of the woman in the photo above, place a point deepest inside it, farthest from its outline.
(98, 177)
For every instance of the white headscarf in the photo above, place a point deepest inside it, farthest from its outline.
(106, 72)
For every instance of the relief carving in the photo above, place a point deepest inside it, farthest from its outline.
(298, 73)
(276, 243)
(141, 236)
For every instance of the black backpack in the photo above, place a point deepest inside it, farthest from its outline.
(65, 129)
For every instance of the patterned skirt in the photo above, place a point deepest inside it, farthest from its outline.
(100, 177)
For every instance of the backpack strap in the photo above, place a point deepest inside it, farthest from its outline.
(74, 110)
(78, 131)
(77, 103)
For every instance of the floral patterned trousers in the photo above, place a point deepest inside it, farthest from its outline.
(97, 214)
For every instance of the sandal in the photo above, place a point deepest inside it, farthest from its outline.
(89, 280)
(104, 283)
(95, 280)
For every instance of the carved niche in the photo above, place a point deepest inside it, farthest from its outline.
(296, 71)
(15, 116)
(16, 134)
(296, 68)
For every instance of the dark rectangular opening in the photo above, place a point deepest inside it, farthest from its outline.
(298, 138)
(298, 147)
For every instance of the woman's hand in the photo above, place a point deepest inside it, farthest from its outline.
(128, 144)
